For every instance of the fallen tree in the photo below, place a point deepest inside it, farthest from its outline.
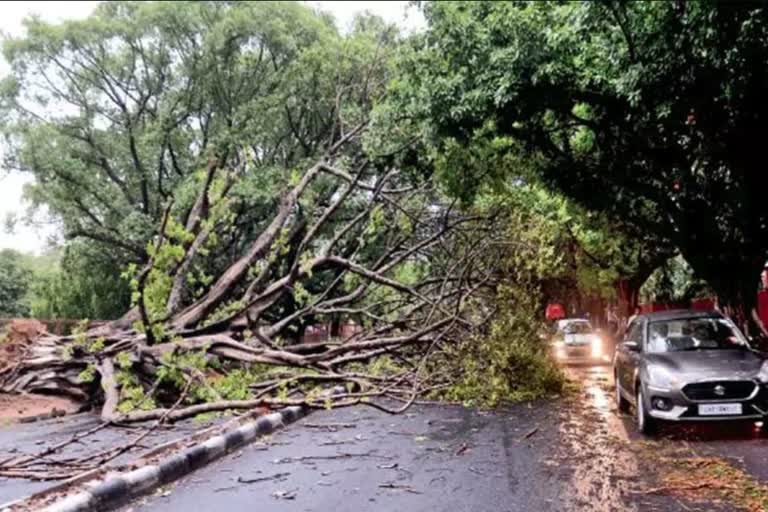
(349, 239)
(222, 158)
(230, 166)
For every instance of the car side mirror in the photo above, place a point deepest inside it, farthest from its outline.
(631, 346)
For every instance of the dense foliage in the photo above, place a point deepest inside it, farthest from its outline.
(650, 111)
(218, 152)
(674, 282)
(80, 283)
(120, 115)
(14, 284)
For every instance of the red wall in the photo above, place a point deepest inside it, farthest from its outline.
(709, 304)
(762, 306)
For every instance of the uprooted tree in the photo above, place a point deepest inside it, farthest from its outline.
(242, 139)
(369, 246)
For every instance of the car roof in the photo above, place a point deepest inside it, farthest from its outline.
(678, 314)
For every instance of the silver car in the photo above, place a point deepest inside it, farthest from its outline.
(575, 339)
(689, 366)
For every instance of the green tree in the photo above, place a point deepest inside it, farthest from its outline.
(675, 283)
(14, 284)
(143, 103)
(114, 113)
(82, 282)
(650, 111)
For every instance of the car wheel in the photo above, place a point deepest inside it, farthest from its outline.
(621, 403)
(645, 423)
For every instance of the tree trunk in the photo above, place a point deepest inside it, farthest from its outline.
(737, 298)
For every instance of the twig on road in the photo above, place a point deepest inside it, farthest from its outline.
(343, 455)
(462, 449)
(331, 427)
(406, 488)
(276, 476)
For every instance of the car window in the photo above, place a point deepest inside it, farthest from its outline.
(635, 332)
(708, 333)
(577, 328)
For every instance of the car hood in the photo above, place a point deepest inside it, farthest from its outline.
(710, 364)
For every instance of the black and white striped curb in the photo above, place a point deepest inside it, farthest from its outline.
(117, 490)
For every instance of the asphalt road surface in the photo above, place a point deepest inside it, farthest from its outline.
(572, 454)
(20, 439)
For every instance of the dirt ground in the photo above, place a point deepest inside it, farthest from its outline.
(17, 407)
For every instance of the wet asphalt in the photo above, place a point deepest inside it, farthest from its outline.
(570, 454)
(18, 439)
(559, 455)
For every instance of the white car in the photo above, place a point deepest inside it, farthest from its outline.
(575, 338)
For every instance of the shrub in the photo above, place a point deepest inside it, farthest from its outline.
(509, 362)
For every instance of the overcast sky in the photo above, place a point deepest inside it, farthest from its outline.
(32, 239)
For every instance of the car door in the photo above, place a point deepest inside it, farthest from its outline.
(627, 360)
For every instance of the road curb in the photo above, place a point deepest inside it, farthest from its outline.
(117, 490)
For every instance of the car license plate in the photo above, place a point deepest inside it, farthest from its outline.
(719, 409)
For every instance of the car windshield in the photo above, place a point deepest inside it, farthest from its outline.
(708, 333)
(577, 328)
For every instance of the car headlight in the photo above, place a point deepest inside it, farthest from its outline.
(661, 378)
(597, 345)
(762, 375)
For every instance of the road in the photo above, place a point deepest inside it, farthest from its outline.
(572, 454)
(19, 439)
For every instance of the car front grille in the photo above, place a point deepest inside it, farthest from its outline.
(720, 390)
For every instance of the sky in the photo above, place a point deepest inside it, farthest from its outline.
(33, 238)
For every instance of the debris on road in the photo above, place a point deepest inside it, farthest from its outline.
(401, 487)
(531, 433)
(285, 495)
(276, 476)
(342, 455)
(330, 427)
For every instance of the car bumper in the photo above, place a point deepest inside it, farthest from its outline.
(683, 409)
(578, 352)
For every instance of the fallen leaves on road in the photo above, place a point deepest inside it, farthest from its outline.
(707, 478)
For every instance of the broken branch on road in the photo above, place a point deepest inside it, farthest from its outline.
(276, 476)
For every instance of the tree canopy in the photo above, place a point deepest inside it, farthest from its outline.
(649, 111)
(117, 113)
(14, 284)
